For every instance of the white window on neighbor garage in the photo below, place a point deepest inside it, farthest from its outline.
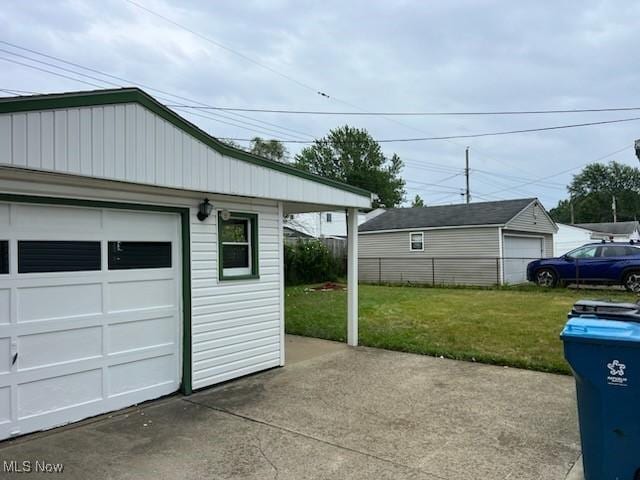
(416, 241)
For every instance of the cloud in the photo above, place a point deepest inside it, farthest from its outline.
(407, 55)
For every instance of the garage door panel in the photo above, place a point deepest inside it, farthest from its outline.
(51, 348)
(52, 394)
(55, 218)
(157, 227)
(141, 374)
(61, 301)
(5, 305)
(129, 336)
(4, 214)
(138, 295)
(5, 355)
(5, 404)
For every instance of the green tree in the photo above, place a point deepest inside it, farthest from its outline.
(418, 202)
(352, 156)
(592, 192)
(271, 149)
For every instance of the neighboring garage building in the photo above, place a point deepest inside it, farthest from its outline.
(485, 243)
(119, 282)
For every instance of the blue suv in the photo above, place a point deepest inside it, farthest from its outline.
(612, 263)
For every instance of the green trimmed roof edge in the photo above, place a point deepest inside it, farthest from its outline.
(135, 95)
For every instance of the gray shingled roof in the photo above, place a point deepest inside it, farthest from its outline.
(618, 228)
(481, 213)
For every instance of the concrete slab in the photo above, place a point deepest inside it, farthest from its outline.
(577, 472)
(454, 420)
(182, 440)
(298, 349)
(346, 414)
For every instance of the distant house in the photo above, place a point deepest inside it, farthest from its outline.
(570, 237)
(326, 224)
(618, 231)
(576, 235)
(474, 244)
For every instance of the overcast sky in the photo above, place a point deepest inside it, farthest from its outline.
(367, 56)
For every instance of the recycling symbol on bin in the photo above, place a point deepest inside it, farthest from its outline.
(616, 368)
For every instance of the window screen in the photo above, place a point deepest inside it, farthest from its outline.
(4, 256)
(38, 256)
(129, 255)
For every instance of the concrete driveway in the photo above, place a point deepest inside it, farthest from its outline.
(334, 413)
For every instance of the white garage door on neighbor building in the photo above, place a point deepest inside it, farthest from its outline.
(89, 312)
(518, 252)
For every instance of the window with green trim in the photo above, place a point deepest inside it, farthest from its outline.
(238, 245)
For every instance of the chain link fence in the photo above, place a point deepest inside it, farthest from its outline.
(467, 270)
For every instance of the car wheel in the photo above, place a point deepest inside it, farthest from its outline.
(631, 281)
(546, 277)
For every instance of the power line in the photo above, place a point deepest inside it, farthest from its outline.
(412, 114)
(564, 171)
(228, 49)
(486, 134)
(127, 82)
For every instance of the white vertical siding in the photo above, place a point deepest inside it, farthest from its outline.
(236, 325)
(129, 142)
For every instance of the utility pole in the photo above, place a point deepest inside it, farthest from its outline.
(466, 174)
(613, 207)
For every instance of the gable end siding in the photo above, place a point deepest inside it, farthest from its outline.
(532, 219)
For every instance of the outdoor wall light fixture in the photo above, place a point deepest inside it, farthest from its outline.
(204, 210)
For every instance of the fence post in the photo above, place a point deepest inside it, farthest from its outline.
(379, 270)
(498, 271)
(433, 271)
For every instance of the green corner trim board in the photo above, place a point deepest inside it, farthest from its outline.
(135, 95)
(186, 386)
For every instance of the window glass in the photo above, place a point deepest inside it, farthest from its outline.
(235, 256)
(4, 256)
(235, 230)
(36, 256)
(329, 218)
(416, 241)
(584, 252)
(633, 251)
(615, 251)
(129, 255)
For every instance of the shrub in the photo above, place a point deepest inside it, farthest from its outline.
(310, 261)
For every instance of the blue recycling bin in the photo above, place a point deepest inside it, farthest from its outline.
(602, 345)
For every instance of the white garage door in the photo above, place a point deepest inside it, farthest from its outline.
(518, 252)
(90, 312)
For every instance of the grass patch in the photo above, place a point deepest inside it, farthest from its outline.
(518, 327)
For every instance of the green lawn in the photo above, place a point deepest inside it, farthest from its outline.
(517, 327)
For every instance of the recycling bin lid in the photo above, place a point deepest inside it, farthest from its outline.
(590, 328)
(606, 310)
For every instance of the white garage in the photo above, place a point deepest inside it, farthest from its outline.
(91, 312)
(519, 250)
(139, 256)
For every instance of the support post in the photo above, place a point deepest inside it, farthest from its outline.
(352, 276)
